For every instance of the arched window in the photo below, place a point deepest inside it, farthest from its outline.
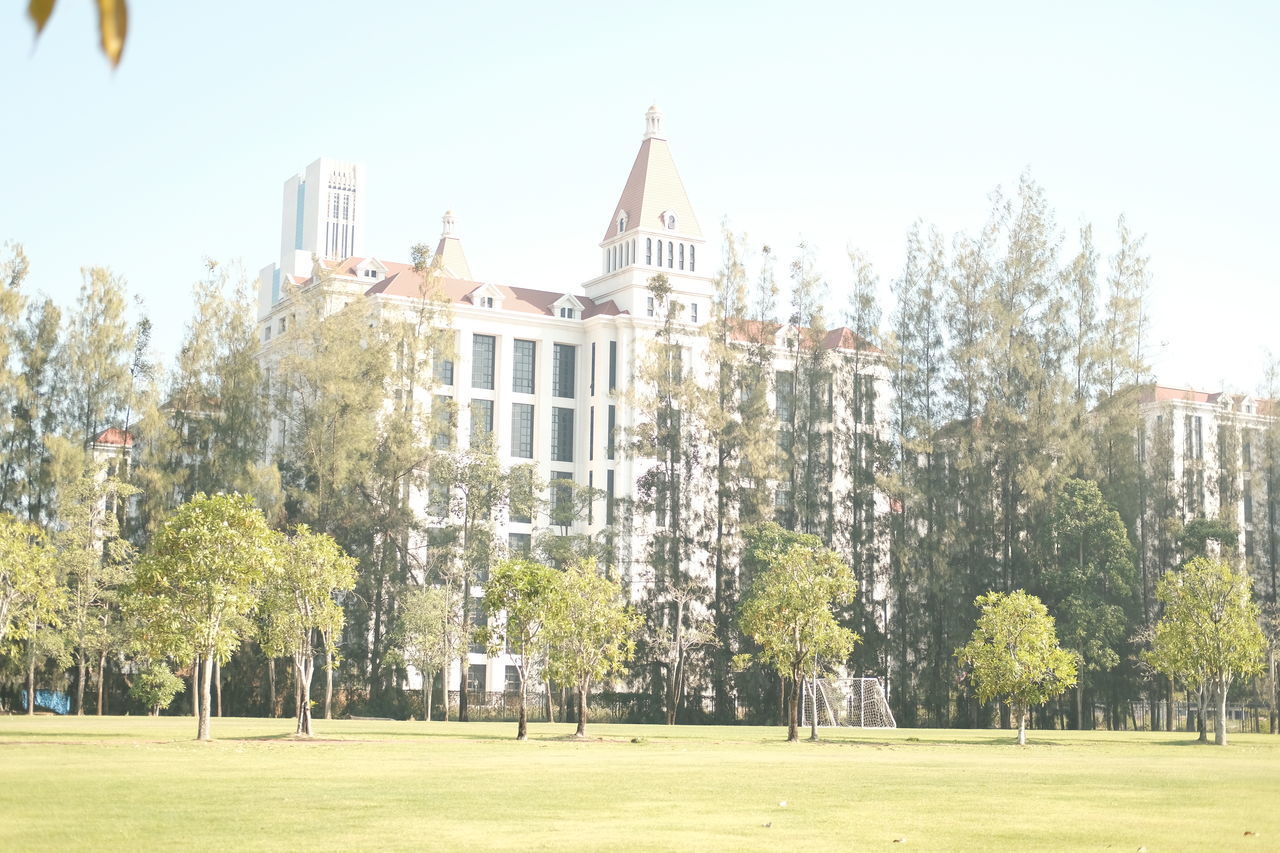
(671, 222)
(671, 255)
(659, 253)
(682, 256)
(622, 223)
(648, 251)
(691, 259)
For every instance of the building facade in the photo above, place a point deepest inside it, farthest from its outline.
(553, 379)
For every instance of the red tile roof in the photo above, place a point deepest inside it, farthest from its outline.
(113, 436)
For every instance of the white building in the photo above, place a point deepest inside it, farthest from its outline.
(1215, 449)
(543, 371)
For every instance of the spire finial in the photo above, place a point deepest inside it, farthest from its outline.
(448, 221)
(653, 123)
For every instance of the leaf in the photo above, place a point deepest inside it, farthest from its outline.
(113, 24)
(39, 11)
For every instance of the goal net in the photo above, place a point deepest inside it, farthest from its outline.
(858, 702)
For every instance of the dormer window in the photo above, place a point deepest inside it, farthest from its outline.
(669, 220)
(568, 313)
(486, 301)
(622, 223)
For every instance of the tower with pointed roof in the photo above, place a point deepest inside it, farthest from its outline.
(653, 230)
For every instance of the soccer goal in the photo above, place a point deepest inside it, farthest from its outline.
(858, 702)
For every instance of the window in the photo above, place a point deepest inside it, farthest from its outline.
(523, 365)
(481, 421)
(334, 196)
(561, 498)
(671, 224)
(476, 675)
(486, 301)
(593, 370)
(648, 306)
(608, 497)
(1248, 501)
(284, 324)
(479, 619)
(1193, 439)
(670, 255)
(561, 435)
(613, 365)
(442, 421)
(346, 206)
(520, 497)
(591, 497)
(691, 259)
(622, 223)
(266, 333)
(520, 544)
(1248, 543)
(437, 498)
(522, 430)
(568, 313)
(512, 683)
(682, 256)
(659, 253)
(784, 389)
(648, 250)
(608, 437)
(444, 370)
(483, 350)
(1246, 453)
(693, 312)
(564, 358)
(591, 433)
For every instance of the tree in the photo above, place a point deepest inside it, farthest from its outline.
(1014, 654)
(298, 598)
(427, 636)
(113, 23)
(155, 687)
(96, 561)
(30, 594)
(523, 591)
(1209, 634)
(1090, 579)
(787, 608)
(199, 580)
(590, 631)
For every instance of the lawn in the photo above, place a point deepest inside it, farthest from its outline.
(139, 783)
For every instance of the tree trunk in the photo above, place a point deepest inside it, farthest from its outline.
(217, 685)
(206, 698)
(582, 711)
(793, 710)
(522, 727)
(551, 706)
(328, 685)
(426, 697)
(80, 675)
(1202, 701)
(1220, 724)
(462, 690)
(195, 687)
(303, 666)
(102, 681)
(271, 687)
(1022, 726)
(31, 676)
(1079, 707)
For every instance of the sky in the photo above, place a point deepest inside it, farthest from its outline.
(837, 124)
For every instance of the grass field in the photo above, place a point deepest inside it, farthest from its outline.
(137, 783)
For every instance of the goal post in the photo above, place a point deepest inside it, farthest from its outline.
(854, 702)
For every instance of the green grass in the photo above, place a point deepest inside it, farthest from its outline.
(139, 783)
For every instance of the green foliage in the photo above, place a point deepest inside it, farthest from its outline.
(428, 634)
(1014, 653)
(297, 598)
(1209, 633)
(1091, 577)
(28, 577)
(590, 630)
(156, 686)
(1197, 533)
(202, 576)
